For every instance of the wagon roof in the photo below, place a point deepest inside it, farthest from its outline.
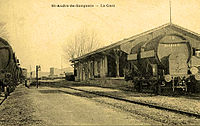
(114, 45)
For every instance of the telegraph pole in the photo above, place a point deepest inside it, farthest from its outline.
(61, 65)
(37, 76)
(170, 12)
(30, 74)
(37, 69)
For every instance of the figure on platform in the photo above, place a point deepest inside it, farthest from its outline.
(26, 83)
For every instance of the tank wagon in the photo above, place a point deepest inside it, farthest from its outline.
(10, 72)
(165, 62)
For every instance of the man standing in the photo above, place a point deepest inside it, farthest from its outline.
(26, 83)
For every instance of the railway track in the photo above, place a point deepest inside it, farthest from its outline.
(141, 103)
(2, 100)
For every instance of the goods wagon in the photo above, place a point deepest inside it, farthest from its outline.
(9, 69)
(165, 62)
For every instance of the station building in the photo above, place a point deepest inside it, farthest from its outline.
(108, 65)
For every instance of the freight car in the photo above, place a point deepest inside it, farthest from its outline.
(10, 72)
(165, 63)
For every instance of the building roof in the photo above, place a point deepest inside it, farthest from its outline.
(114, 45)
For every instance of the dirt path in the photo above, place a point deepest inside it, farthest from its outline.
(53, 106)
(17, 109)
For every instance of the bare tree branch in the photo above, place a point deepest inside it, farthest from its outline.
(3, 31)
(84, 41)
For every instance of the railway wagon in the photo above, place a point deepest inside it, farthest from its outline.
(9, 69)
(165, 63)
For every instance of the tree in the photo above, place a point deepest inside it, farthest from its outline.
(3, 32)
(84, 41)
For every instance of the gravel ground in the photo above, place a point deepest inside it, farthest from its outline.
(17, 109)
(63, 106)
(164, 117)
(23, 106)
(111, 104)
(158, 117)
(179, 103)
(184, 103)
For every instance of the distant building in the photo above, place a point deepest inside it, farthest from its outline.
(40, 74)
(51, 71)
(56, 72)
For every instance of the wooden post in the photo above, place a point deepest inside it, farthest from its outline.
(92, 68)
(105, 66)
(37, 76)
(89, 69)
(78, 71)
(95, 68)
(117, 55)
(101, 67)
(117, 65)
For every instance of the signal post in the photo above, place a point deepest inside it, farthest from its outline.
(38, 68)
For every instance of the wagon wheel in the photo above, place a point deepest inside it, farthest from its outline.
(157, 88)
(138, 86)
(192, 85)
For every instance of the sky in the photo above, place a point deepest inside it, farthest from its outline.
(37, 31)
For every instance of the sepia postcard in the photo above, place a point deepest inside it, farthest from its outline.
(99, 62)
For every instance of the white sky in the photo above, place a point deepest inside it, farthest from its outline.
(37, 31)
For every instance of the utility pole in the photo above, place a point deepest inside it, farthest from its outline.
(30, 74)
(38, 68)
(170, 12)
(61, 67)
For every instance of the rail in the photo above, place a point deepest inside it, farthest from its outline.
(141, 103)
